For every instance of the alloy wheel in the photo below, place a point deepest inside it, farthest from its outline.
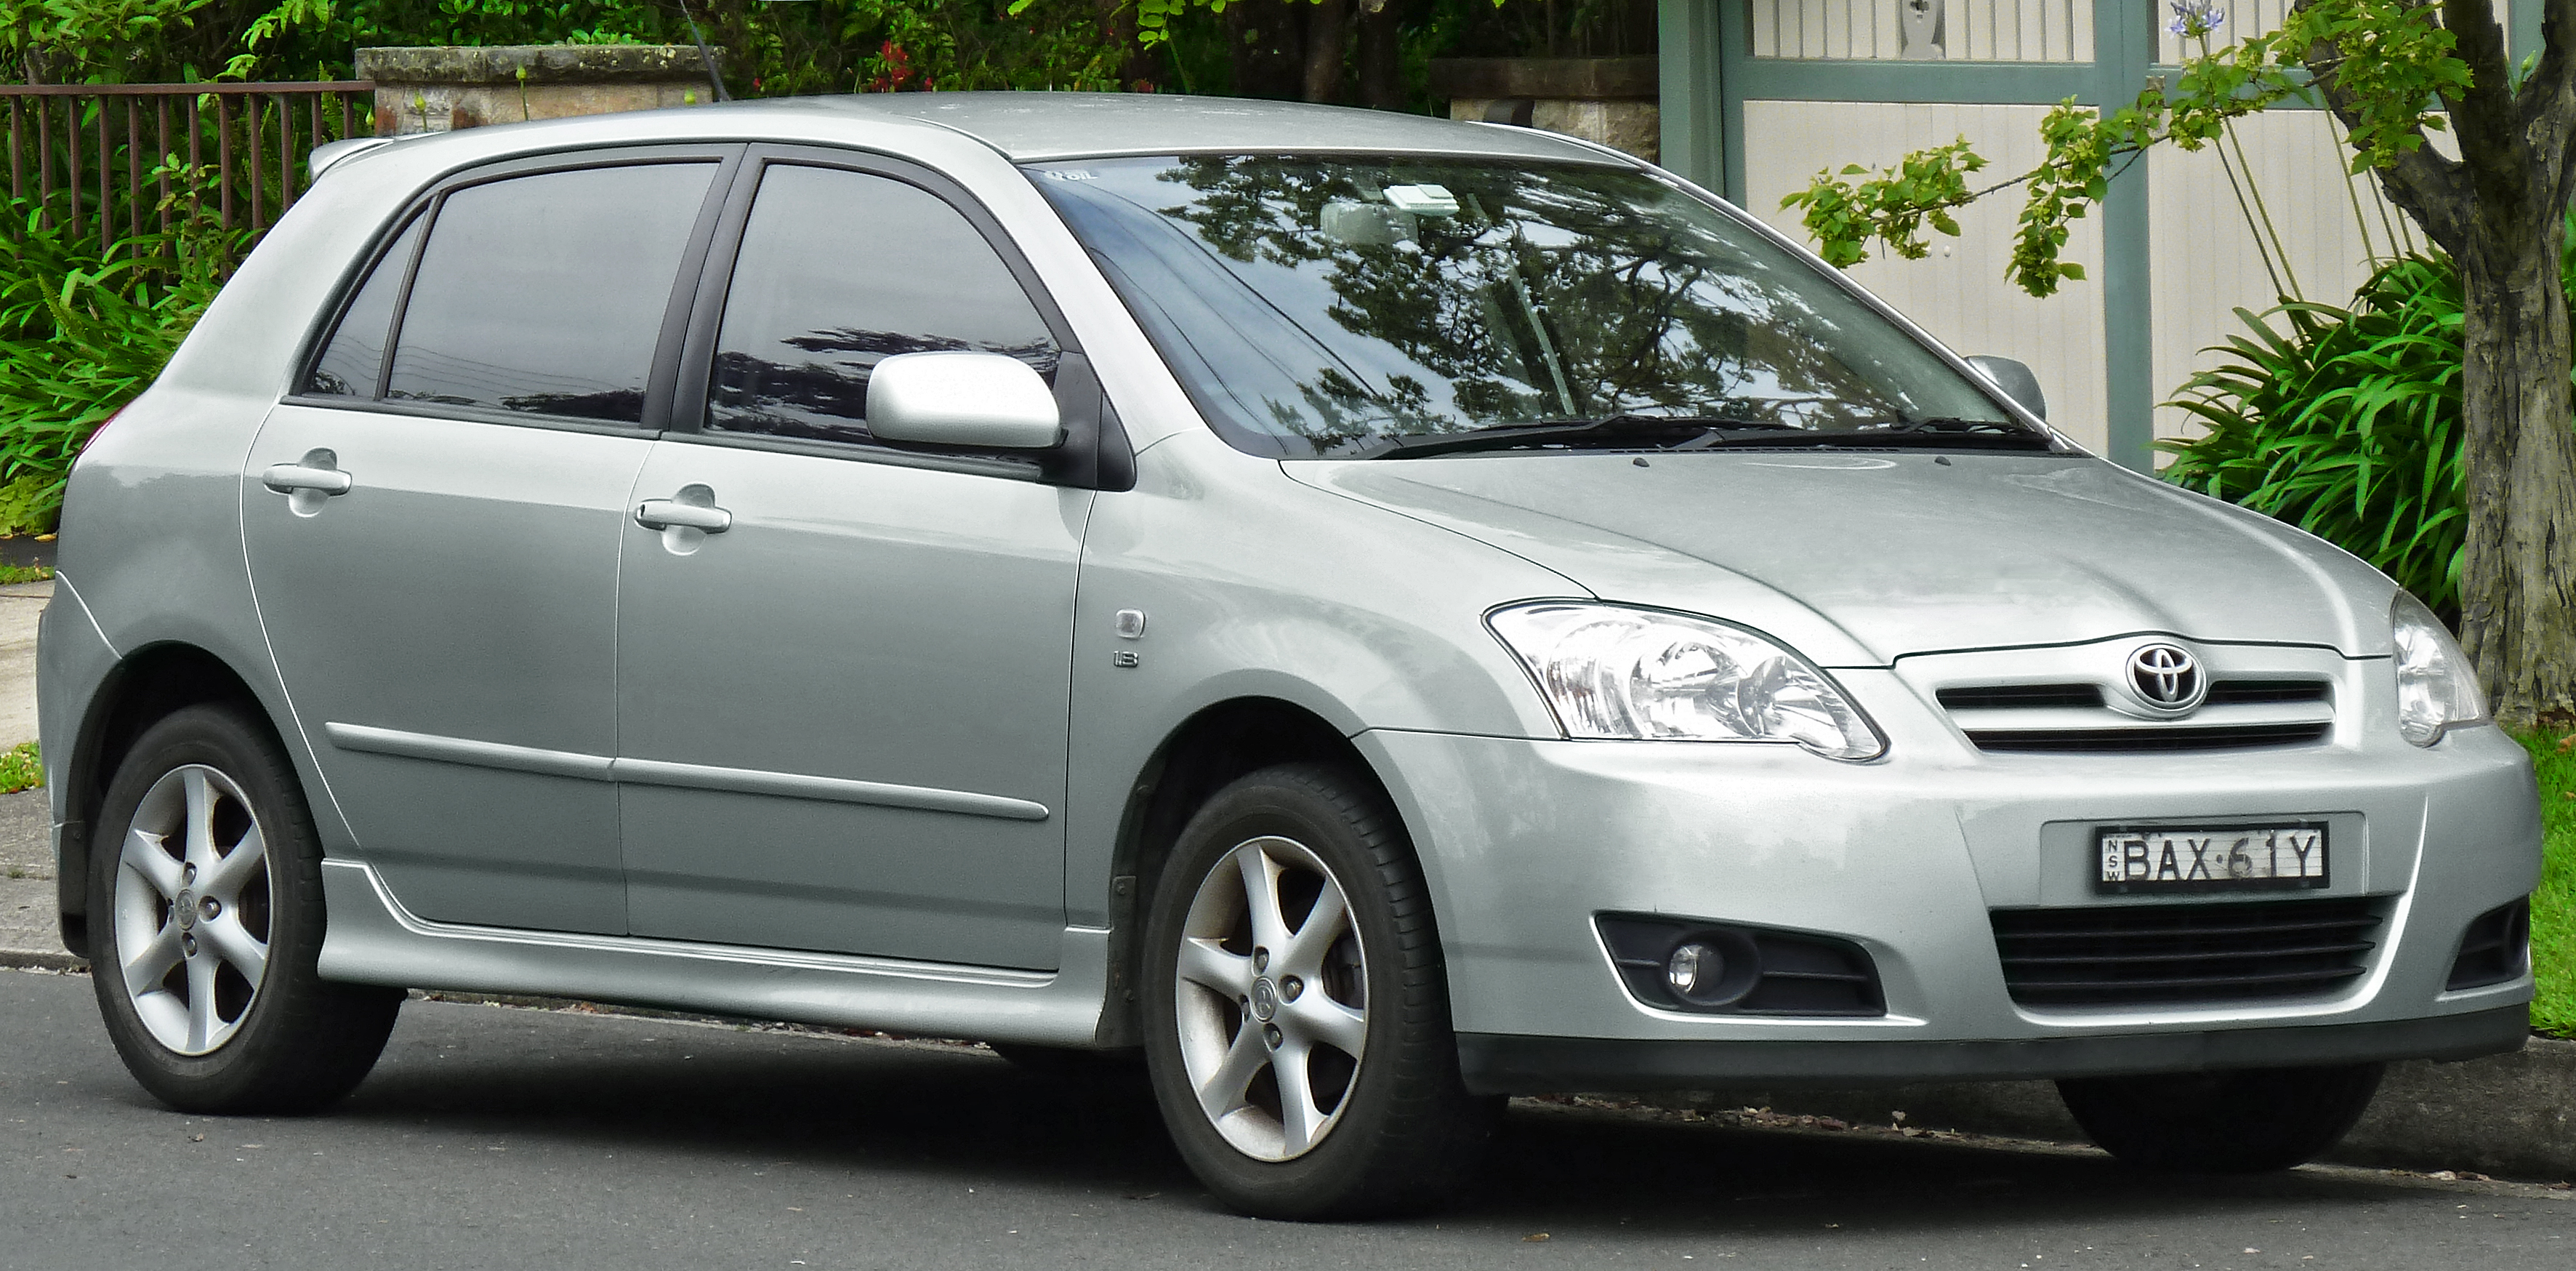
(192, 909)
(1271, 997)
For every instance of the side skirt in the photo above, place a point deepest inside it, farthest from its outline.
(372, 939)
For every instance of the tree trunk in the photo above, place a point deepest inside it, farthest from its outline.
(2518, 578)
(1328, 28)
(1381, 56)
(1266, 41)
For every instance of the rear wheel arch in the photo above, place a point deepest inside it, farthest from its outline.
(147, 686)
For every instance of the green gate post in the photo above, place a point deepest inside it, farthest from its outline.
(1691, 83)
(2124, 50)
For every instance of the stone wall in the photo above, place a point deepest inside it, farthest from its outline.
(1609, 100)
(440, 89)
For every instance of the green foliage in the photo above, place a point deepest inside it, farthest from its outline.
(82, 332)
(2391, 56)
(2346, 423)
(78, 41)
(819, 46)
(20, 768)
(2553, 905)
(1892, 208)
(27, 506)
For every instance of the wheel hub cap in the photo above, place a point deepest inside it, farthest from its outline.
(1265, 1000)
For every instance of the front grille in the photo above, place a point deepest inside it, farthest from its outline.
(2134, 740)
(2074, 717)
(2129, 955)
(2229, 692)
(1994, 697)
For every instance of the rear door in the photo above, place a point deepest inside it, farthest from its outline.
(842, 717)
(433, 523)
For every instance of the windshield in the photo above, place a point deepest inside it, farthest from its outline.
(1334, 306)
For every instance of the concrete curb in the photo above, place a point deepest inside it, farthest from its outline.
(42, 960)
(2513, 1116)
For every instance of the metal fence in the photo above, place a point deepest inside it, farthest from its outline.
(99, 156)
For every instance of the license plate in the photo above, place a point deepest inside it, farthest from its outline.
(2217, 858)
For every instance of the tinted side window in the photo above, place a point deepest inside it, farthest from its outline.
(545, 294)
(355, 358)
(839, 270)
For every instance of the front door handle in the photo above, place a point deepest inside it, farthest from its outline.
(671, 514)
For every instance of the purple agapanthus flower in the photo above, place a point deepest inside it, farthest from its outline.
(2196, 19)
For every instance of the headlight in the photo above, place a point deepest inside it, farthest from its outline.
(1610, 672)
(2436, 691)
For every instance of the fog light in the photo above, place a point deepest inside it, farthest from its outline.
(1693, 967)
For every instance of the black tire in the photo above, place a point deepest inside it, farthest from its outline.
(1404, 1133)
(2247, 1122)
(294, 1042)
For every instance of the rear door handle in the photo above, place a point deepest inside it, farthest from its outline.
(667, 514)
(317, 472)
(308, 482)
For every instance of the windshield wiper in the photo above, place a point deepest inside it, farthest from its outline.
(1660, 429)
(1998, 434)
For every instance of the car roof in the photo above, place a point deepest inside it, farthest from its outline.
(1035, 126)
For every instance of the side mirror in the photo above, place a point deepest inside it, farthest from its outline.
(2014, 378)
(962, 399)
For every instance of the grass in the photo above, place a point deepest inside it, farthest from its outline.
(20, 769)
(24, 574)
(2553, 907)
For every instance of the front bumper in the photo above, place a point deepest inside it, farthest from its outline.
(1495, 1063)
(1523, 842)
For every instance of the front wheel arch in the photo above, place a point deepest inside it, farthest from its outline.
(1212, 748)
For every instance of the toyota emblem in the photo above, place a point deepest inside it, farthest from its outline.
(2167, 677)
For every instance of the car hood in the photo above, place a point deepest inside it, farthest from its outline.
(1858, 559)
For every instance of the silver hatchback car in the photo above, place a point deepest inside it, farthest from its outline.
(1378, 613)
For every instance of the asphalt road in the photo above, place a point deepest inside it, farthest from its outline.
(498, 1137)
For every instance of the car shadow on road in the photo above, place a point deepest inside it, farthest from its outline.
(965, 1113)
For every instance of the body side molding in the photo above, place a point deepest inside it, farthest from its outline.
(372, 939)
(656, 772)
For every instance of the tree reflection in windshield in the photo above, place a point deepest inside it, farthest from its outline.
(1316, 304)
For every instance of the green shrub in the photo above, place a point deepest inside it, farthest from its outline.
(2346, 423)
(81, 333)
(20, 769)
(2553, 906)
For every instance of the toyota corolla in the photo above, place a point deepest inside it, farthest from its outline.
(1378, 614)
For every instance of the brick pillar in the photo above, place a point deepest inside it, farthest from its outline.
(439, 89)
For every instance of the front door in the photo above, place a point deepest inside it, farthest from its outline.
(433, 537)
(843, 668)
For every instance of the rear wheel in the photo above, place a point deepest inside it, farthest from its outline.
(1297, 1016)
(2243, 1122)
(205, 892)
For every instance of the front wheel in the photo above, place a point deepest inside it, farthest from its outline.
(2246, 1122)
(205, 896)
(1296, 1009)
